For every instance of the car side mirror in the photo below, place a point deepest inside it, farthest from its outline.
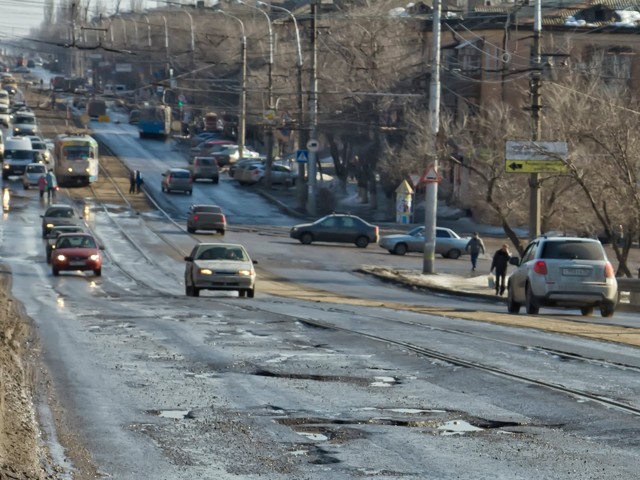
(188, 259)
(515, 261)
(101, 247)
(255, 262)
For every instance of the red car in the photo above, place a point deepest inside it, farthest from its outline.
(76, 251)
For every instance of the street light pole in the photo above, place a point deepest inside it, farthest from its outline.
(313, 110)
(302, 134)
(269, 130)
(431, 191)
(536, 105)
(243, 94)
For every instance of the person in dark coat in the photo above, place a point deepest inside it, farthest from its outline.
(500, 264)
(132, 182)
(475, 246)
(139, 181)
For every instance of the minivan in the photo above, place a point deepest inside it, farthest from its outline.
(205, 167)
(24, 123)
(18, 153)
(177, 179)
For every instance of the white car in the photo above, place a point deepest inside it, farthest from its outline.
(32, 174)
(255, 173)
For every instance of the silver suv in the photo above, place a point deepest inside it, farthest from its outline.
(563, 272)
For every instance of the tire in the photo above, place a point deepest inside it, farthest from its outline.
(55, 272)
(512, 305)
(531, 305)
(306, 238)
(242, 293)
(222, 232)
(191, 230)
(586, 311)
(362, 242)
(607, 310)
(196, 291)
(26, 186)
(98, 272)
(189, 192)
(251, 292)
(399, 249)
(215, 180)
(454, 254)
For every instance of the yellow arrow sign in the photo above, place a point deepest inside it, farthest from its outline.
(535, 166)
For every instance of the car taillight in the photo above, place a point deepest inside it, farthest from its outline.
(540, 267)
(190, 180)
(224, 219)
(608, 271)
(195, 217)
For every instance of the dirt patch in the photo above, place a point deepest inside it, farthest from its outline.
(19, 453)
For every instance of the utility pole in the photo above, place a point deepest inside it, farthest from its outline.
(313, 109)
(431, 191)
(536, 125)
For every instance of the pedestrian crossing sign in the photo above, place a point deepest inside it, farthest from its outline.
(302, 156)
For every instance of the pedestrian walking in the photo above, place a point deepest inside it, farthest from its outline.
(132, 181)
(500, 264)
(475, 246)
(139, 181)
(42, 186)
(52, 186)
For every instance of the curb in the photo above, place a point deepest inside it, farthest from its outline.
(282, 206)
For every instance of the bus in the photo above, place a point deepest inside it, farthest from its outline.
(96, 108)
(76, 159)
(155, 121)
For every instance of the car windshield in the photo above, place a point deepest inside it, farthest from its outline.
(36, 168)
(19, 154)
(207, 209)
(60, 213)
(572, 250)
(416, 231)
(179, 174)
(221, 253)
(76, 242)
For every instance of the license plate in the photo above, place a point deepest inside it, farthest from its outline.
(77, 263)
(576, 272)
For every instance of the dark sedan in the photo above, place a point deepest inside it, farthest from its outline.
(337, 228)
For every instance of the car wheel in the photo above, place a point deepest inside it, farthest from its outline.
(531, 305)
(251, 292)
(400, 249)
(586, 311)
(242, 293)
(191, 230)
(362, 242)
(512, 305)
(196, 291)
(98, 272)
(188, 290)
(607, 309)
(306, 238)
(222, 232)
(454, 254)
(215, 180)
(189, 192)
(26, 186)
(55, 272)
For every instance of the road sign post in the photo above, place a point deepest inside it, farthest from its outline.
(535, 157)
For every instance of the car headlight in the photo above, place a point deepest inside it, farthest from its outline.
(49, 225)
(205, 271)
(245, 273)
(70, 170)
(61, 258)
(95, 257)
(6, 166)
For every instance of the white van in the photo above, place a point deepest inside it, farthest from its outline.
(18, 153)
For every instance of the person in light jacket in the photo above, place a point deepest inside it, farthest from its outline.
(475, 246)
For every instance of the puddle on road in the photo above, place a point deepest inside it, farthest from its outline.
(173, 414)
(457, 427)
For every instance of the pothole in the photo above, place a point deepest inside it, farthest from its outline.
(316, 378)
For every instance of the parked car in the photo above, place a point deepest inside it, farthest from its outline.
(448, 243)
(55, 232)
(230, 154)
(177, 179)
(76, 251)
(255, 173)
(59, 214)
(32, 174)
(568, 272)
(243, 163)
(219, 266)
(208, 146)
(337, 228)
(204, 136)
(206, 217)
(205, 167)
